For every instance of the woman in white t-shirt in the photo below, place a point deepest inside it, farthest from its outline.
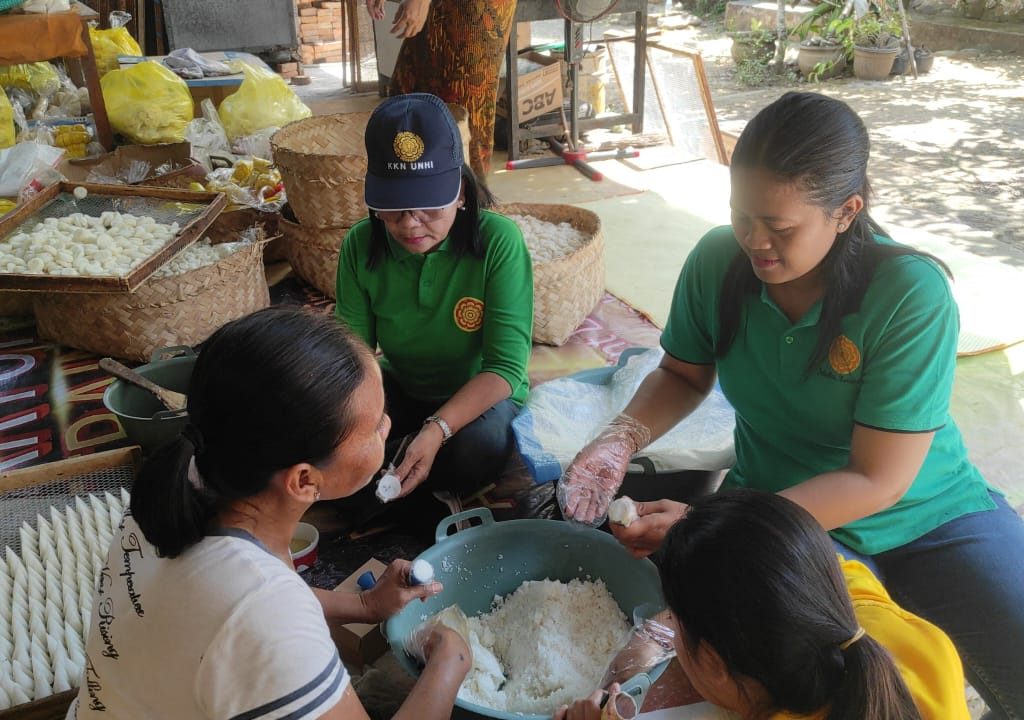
(198, 612)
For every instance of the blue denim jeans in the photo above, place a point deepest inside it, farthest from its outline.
(472, 459)
(967, 577)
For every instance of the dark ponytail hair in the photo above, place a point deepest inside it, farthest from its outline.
(268, 391)
(821, 145)
(465, 235)
(755, 577)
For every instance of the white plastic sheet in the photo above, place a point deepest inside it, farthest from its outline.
(563, 415)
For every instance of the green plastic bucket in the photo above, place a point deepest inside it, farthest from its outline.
(144, 418)
(495, 558)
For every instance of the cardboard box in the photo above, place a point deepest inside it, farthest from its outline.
(541, 90)
(180, 154)
(524, 37)
(358, 643)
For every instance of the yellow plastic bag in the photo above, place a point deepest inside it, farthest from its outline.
(147, 103)
(7, 132)
(108, 44)
(39, 77)
(264, 100)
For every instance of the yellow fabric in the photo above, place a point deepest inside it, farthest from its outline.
(924, 655)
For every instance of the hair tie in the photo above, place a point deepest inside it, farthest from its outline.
(854, 638)
(194, 437)
(194, 478)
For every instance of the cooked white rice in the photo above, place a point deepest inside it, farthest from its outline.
(548, 241)
(545, 645)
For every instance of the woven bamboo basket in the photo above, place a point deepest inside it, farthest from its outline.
(238, 220)
(15, 304)
(565, 289)
(323, 165)
(313, 252)
(179, 310)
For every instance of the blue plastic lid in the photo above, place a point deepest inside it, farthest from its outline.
(366, 580)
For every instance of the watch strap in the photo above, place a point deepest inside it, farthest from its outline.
(446, 430)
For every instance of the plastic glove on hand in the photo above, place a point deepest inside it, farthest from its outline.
(588, 486)
(418, 643)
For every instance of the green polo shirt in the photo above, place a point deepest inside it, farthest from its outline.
(891, 368)
(441, 318)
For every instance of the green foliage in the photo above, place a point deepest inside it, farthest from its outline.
(877, 31)
(753, 72)
(820, 69)
(709, 8)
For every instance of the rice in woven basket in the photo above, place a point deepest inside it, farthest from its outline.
(181, 309)
(566, 288)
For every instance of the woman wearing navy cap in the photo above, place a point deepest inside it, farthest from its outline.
(454, 49)
(444, 288)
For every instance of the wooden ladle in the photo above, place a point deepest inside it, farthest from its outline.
(172, 400)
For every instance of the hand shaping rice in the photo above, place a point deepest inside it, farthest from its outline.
(548, 241)
(545, 645)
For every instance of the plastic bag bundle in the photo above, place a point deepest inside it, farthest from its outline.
(7, 132)
(25, 163)
(561, 416)
(40, 6)
(107, 45)
(147, 103)
(40, 78)
(264, 100)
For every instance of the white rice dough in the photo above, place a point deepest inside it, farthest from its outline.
(543, 646)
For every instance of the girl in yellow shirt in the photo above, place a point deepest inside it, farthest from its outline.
(771, 625)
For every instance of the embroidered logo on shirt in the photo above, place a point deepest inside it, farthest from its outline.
(469, 314)
(843, 356)
(409, 146)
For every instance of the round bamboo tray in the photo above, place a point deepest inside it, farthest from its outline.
(178, 310)
(313, 252)
(565, 289)
(323, 165)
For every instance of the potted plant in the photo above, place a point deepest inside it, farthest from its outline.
(826, 41)
(923, 58)
(821, 58)
(876, 43)
(757, 44)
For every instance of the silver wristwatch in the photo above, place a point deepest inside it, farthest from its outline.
(446, 430)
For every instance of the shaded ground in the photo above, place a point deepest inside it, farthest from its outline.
(948, 147)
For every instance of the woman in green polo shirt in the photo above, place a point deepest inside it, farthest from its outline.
(837, 348)
(445, 289)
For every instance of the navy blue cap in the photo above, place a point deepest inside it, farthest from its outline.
(414, 154)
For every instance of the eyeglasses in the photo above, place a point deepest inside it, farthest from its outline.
(423, 216)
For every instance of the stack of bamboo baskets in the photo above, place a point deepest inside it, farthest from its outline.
(323, 165)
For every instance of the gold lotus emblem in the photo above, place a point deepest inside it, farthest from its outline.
(408, 146)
